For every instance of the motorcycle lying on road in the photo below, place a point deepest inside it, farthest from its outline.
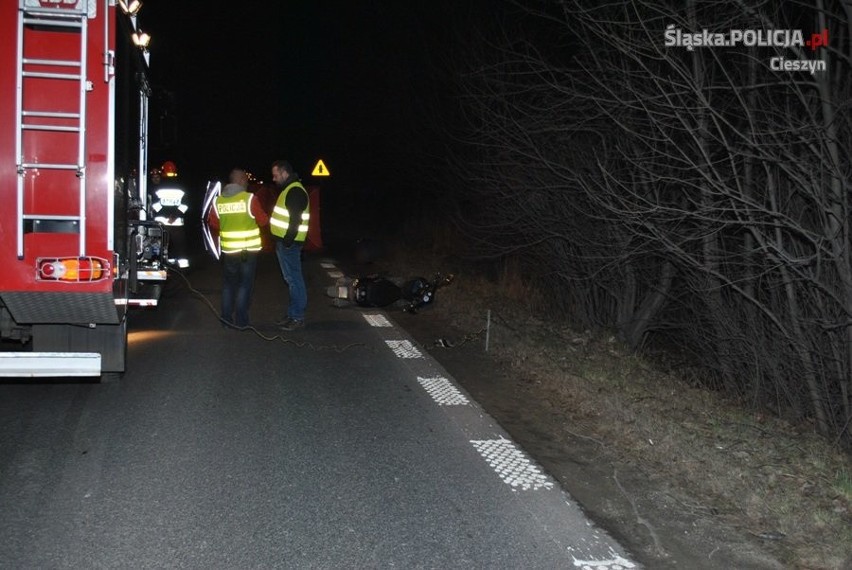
(379, 291)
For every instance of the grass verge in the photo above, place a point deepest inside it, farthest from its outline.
(773, 480)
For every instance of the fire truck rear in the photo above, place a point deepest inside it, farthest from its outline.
(75, 249)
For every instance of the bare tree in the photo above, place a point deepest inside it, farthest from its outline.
(690, 196)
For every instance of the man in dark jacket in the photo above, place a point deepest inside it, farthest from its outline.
(289, 227)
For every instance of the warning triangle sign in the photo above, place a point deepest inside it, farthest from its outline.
(320, 169)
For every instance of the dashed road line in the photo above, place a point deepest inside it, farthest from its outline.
(512, 464)
(443, 391)
(617, 563)
(377, 320)
(404, 349)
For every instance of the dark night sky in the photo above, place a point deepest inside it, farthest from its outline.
(254, 81)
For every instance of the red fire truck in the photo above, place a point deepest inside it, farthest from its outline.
(76, 251)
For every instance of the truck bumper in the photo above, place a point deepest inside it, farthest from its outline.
(49, 364)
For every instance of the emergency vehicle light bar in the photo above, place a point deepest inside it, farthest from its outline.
(71, 269)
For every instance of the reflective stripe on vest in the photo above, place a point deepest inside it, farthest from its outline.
(169, 208)
(279, 221)
(238, 230)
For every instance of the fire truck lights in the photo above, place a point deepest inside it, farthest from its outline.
(131, 7)
(72, 269)
(141, 39)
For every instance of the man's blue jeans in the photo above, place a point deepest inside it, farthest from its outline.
(290, 260)
(237, 284)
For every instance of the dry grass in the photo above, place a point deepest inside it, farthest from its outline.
(753, 471)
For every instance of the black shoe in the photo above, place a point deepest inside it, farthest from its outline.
(292, 324)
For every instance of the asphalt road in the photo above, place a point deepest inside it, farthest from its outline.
(343, 445)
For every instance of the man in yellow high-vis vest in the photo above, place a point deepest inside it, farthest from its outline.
(289, 228)
(238, 216)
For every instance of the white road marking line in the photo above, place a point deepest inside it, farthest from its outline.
(511, 464)
(377, 320)
(404, 349)
(618, 563)
(443, 391)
